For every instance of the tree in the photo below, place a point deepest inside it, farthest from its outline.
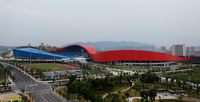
(197, 87)
(147, 94)
(166, 80)
(128, 79)
(74, 87)
(152, 94)
(127, 95)
(142, 95)
(117, 98)
(106, 84)
(149, 78)
(172, 81)
(179, 83)
(184, 86)
(71, 78)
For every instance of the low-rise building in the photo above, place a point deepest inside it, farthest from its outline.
(10, 97)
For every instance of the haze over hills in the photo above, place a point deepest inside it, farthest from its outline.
(5, 48)
(5, 51)
(110, 45)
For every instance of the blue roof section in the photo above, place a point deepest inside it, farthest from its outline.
(39, 51)
(35, 53)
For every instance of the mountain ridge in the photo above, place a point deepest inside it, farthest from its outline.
(111, 45)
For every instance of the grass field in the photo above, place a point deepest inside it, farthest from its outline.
(47, 67)
(90, 71)
(192, 75)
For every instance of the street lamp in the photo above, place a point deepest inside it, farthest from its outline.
(82, 59)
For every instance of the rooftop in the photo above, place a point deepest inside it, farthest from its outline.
(9, 96)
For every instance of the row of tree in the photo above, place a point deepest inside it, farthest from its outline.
(149, 77)
(2, 75)
(91, 89)
(148, 95)
(86, 89)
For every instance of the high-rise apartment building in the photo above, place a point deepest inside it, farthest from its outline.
(163, 49)
(179, 50)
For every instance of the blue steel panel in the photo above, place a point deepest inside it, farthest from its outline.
(27, 53)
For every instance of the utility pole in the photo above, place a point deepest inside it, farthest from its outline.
(30, 62)
(17, 56)
(54, 58)
(83, 57)
(6, 81)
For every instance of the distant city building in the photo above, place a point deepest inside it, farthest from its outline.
(29, 44)
(8, 54)
(197, 48)
(179, 50)
(168, 52)
(190, 51)
(41, 46)
(195, 53)
(46, 47)
(163, 49)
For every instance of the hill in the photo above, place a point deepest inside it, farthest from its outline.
(5, 48)
(110, 45)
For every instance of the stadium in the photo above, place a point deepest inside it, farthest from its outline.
(114, 57)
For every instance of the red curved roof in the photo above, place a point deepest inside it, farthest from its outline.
(133, 55)
(90, 49)
(125, 55)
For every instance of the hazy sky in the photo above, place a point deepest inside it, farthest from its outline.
(58, 22)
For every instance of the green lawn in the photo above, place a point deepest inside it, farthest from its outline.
(192, 76)
(43, 67)
(93, 71)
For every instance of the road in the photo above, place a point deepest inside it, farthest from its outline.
(39, 91)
